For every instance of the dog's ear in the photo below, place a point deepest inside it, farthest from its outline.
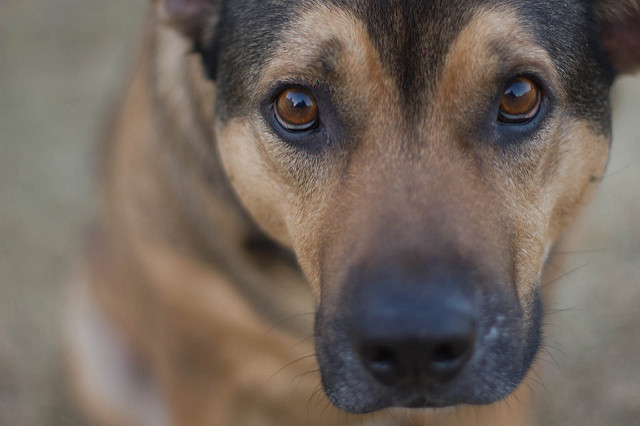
(620, 32)
(197, 20)
(191, 17)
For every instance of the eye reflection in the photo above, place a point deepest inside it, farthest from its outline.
(296, 110)
(520, 101)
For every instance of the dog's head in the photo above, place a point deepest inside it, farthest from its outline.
(420, 158)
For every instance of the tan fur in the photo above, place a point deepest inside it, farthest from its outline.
(539, 211)
(249, 154)
(169, 269)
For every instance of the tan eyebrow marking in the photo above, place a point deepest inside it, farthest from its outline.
(328, 41)
(491, 43)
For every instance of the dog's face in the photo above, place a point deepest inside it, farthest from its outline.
(420, 158)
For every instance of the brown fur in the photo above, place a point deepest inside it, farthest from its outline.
(169, 265)
(175, 329)
(523, 185)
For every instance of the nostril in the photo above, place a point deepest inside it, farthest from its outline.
(382, 355)
(383, 362)
(447, 352)
(447, 358)
(415, 359)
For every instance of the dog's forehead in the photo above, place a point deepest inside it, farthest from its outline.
(411, 37)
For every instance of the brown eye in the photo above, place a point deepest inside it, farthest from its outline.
(520, 101)
(296, 109)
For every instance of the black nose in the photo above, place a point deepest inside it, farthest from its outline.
(413, 336)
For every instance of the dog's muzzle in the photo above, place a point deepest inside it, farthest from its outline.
(427, 340)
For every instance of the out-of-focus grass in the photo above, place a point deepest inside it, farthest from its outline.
(62, 63)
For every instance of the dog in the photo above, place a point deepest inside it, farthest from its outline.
(339, 212)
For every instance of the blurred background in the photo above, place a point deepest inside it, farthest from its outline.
(63, 64)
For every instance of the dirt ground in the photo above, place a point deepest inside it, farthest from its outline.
(61, 67)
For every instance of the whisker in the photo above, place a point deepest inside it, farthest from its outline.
(555, 361)
(299, 376)
(620, 170)
(554, 311)
(555, 348)
(283, 320)
(537, 379)
(583, 251)
(526, 382)
(313, 394)
(291, 363)
(327, 406)
(556, 279)
(302, 341)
